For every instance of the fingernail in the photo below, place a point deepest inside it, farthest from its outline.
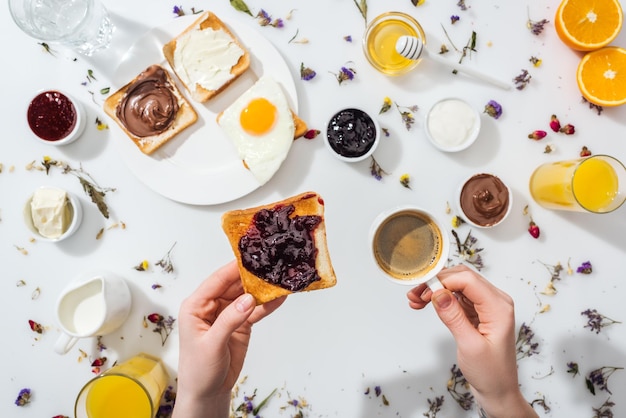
(244, 302)
(443, 299)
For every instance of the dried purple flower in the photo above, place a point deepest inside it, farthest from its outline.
(458, 388)
(493, 109)
(524, 344)
(572, 367)
(605, 410)
(164, 326)
(585, 268)
(23, 397)
(265, 19)
(454, 19)
(522, 80)
(377, 390)
(596, 321)
(347, 38)
(600, 378)
(536, 27)
(306, 73)
(376, 170)
(178, 11)
(344, 74)
(461, 4)
(434, 406)
(406, 112)
(467, 250)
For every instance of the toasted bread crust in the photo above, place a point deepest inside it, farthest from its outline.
(237, 222)
(207, 20)
(185, 117)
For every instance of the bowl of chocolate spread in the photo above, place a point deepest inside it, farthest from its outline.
(484, 200)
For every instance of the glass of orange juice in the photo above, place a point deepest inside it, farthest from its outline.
(131, 389)
(379, 42)
(594, 184)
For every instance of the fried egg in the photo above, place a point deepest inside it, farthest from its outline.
(261, 126)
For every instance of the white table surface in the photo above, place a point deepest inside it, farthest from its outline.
(328, 346)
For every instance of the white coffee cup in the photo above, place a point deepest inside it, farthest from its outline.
(94, 304)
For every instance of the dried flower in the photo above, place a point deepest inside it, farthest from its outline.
(537, 135)
(23, 397)
(35, 326)
(585, 152)
(596, 321)
(166, 262)
(385, 132)
(178, 11)
(524, 344)
(376, 170)
(536, 27)
(99, 362)
(434, 406)
(311, 133)
(405, 181)
(406, 112)
(265, 19)
(156, 286)
(345, 74)
(568, 129)
(493, 109)
(555, 124)
(164, 326)
(101, 126)
(46, 48)
(548, 149)
(143, 266)
(522, 80)
(347, 38)
(533, 228)
(299, 41)
(600, 378)
(418, 2)
(461, 4)
(454, 19)
(541, 402)
(585, 268)
(597, 108)
(386, 106)
(458, 388)
(306, 73)
(467, 252)
(572, 367)
(536, 62)
(457, 221)
(605, 410)
(362, 6)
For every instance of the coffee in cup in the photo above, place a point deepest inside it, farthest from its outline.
(409, 245)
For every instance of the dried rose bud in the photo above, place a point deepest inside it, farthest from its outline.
(568, 129)
(35, 326)
(555, 125)
(155, 318)
(99, 362)
(311, 133)
(537, 135)
(585, 152)
(533, 230)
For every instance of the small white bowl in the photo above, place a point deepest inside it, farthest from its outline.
(452, 124)
(361, 157)
(52, 114)
(497, 181)
(76, 216)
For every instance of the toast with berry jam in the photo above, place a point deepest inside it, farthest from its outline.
(281, 247)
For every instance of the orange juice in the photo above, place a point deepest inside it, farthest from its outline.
(118, 396)
(591, 184)
(380, 40)
(132, 389)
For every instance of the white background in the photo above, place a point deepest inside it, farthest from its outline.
(328, 346)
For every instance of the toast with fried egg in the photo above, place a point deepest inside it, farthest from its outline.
(207, 57)
(150, 109)
(281, 248)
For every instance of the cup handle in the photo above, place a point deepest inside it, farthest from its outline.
(64, 343)
(435, 284)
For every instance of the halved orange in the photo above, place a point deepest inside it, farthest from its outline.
(601, 76)
(587, 25)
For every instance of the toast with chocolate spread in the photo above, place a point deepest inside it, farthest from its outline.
(281, 247)
(207, 57)
(150, 109)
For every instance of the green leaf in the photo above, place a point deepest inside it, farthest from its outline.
(241, 6)
(362, 5)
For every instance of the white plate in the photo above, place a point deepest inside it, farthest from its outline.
(200, 165)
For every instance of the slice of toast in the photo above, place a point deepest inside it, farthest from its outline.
(129, 113)
(188, 55)
(244, 229)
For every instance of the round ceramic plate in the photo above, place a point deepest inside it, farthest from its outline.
(200, 165)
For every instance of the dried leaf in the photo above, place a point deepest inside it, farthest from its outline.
(241, 6)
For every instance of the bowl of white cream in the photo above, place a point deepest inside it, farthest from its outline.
(452, 124)
(52, 214)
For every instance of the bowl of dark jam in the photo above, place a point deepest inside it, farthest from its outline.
(55, 117)
(352, 134)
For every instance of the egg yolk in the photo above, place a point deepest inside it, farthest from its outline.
(258, 117)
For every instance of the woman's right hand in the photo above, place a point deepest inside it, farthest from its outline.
(481, 318)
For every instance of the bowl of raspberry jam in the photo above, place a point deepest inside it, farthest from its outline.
(55, 117)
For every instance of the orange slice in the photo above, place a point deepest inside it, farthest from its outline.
(587, 25)
(601, 76)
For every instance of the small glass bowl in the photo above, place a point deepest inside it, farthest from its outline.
(452, 124)
(379, 42)
(51, 114)
(368, 153)
(75, 212)
(468, 219)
